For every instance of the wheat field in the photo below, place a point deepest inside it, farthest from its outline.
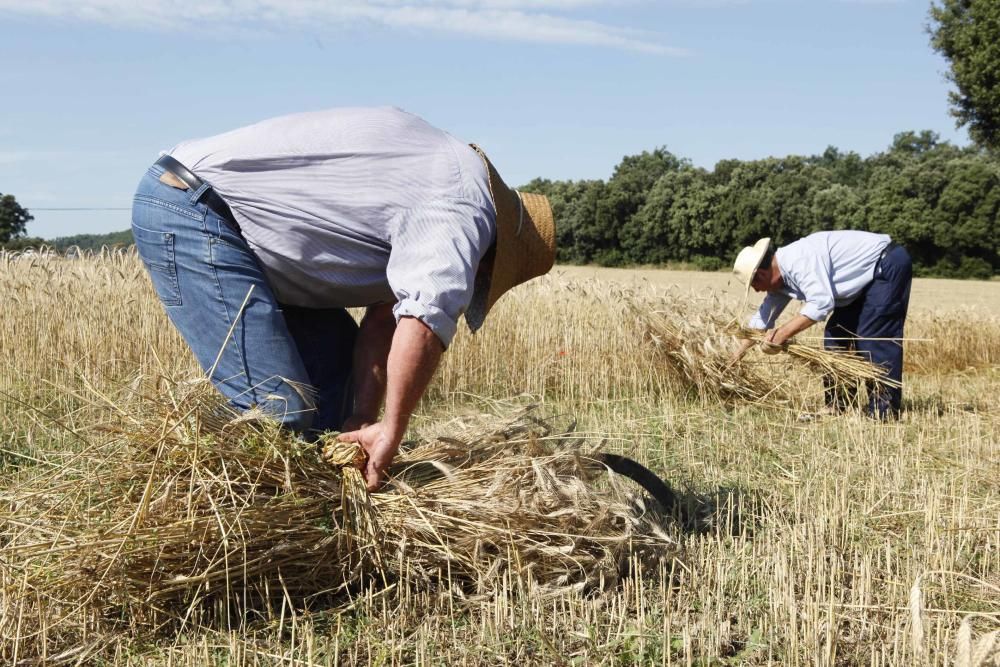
(837, 541)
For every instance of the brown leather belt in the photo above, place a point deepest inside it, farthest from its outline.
(176, 175)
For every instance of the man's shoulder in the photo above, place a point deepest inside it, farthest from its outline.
(795, 251)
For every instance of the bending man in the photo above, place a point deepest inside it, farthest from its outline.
(257, 240)
(859, 279)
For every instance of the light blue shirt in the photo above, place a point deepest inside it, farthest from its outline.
(356, 207)
(824, 270)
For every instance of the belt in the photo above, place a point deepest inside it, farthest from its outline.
(209, 196)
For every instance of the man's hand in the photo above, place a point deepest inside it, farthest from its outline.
(772, 343)
(380, 444)
(776, 340)
(771, 348)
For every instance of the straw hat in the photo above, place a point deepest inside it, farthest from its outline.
(750, 259)
(525, 244)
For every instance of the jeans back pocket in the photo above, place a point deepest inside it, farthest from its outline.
(157, 252)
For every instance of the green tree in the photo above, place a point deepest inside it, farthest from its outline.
(22, 243)
(915, 143)
(580, 238)
(941, 201)
(93, 241)
(14, 218)
(771, 197)
(967, 33)
(677, 221)
(942, 204)
(847, 168)
(965, 222)
(635, 176)
(625, 195)
(837, 207)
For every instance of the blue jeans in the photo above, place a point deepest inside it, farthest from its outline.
(293, 363)
(865, 324)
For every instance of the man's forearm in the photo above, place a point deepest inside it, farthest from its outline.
(741, 351)
(371, 354)
(413, 358)
(794, 326)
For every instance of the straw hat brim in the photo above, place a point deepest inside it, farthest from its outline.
(525, 244)
(749, 260)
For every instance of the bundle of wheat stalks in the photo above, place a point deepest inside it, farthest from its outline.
(842, 367)
(695, 349)
(185, 514)
(694, 343)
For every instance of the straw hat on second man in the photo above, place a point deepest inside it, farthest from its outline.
(750, 259)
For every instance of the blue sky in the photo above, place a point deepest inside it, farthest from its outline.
(562, 89)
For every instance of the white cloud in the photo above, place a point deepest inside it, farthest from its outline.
(539, 21)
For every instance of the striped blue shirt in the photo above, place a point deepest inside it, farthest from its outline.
(356, 207)
(824, 270)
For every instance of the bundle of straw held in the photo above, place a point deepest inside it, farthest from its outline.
(183, 513)
(693, 341)
(695, 350)
(841, 367)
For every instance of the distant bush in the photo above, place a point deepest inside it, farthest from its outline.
(24, 243)
(93, 241)
(703, 263)
(939, 201)
(975, 268)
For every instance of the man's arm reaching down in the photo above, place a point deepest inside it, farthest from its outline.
(413, 357)
(371, 356)
(797, 324)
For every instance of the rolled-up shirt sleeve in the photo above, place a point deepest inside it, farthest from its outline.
(772, 306)
(436, 250)
(813, 275)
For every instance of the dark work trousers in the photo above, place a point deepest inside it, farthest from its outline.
(325, 340)
(872, 325)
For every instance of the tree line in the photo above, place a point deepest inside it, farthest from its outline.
(68, 243)
(938, 200)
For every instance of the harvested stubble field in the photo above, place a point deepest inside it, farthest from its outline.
(837, 541)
